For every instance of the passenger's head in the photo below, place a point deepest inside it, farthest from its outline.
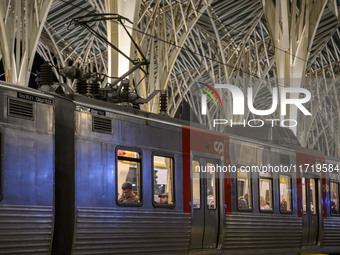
(333, 196)
(246, 196)
(127, 189)
(163, 198)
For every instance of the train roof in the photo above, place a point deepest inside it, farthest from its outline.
(273, 136)
(22, 89)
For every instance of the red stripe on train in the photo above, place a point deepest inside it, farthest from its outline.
(323, 197)
(299, 193)
(186, 169)
(227, 192)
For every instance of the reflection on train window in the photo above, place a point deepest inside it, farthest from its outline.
(163, 174)
(128, 174)
(312, 194)
(266, 194)
(334, 195)
(211, 187)
(196, 188)
(285, 193)
(304, 198)
(244, 195)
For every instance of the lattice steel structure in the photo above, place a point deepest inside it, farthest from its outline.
(258, 43)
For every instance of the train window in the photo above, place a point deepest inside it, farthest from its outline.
(266, 194)
(285, 193)
(304, 198)
(334, 197)
(196, 185)
(211, 187)
(244, 194)
(163, 179)
(128, 177)
(312, 194)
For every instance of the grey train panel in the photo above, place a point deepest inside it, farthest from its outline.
(25, 229)
(27, 168)
(331, 234)
(131, 132)
(162, 136)
(262, 232)
(118, 231)
(95, 182)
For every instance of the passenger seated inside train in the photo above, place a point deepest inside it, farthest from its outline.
(283, 205)
(334, 209)
(334, 204)
(163, 198)
(128, 196)
(263, 204)
(244, 196)
(243, 201)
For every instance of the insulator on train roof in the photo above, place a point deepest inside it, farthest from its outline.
(46, 75)
(125, 90)
(82, 87)
(94, 85)
(163, 102)
(94, 88)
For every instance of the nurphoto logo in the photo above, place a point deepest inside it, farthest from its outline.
(238, 104)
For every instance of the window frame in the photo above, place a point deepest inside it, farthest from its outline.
(206, 161)
(166, 155)
(316, 195)
(200, 183)
(330, 209)
(251, 188)
(259, 200)
(304, 212)
(121, 147)
(214, 161)
(291, 194)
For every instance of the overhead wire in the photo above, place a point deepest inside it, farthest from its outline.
(204, 56)
(187, 49)
(233, 28)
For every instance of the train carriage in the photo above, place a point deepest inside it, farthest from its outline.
(26, 171)
(214, 206)
(109, 147)
(263, 226)
(330, 222)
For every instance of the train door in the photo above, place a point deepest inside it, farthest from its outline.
(311, 205)
(205, 205)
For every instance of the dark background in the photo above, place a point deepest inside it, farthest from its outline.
(36, 66)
